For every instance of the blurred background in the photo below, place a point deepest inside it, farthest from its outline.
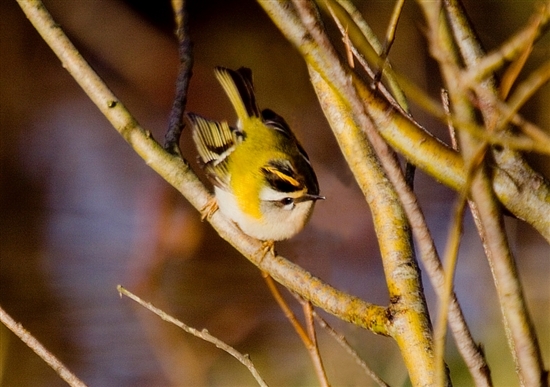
(82, 213)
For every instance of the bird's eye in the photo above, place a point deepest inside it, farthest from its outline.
(287, 201)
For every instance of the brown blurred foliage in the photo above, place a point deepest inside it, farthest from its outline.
(82, 213)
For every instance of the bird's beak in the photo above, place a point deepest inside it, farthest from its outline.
(307, 197)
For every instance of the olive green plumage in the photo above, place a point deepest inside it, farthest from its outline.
(262, 176)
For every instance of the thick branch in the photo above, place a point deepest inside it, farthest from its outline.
(522, 339)
(177, 172)
(345, 112)
(427, 153)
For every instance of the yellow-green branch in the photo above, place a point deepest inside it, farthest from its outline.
(177, 172)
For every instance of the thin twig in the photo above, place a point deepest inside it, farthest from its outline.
(40, 350)
(512, 72)
(410, 168)
(510, 49)
(390, 37)
(530, 86)
(347, 45)
(340, 339)
(314, 350)
(506, 113)
(202, 334)
(447, 107)
(375, 48)
(451, 257)
(289, 314)
(177, 172)
(371, 73)
(176, 123)
(306, 336)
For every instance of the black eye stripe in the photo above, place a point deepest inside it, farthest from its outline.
(281, 177)
(281, 185)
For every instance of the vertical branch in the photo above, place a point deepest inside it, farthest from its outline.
(314, 350)
(520, 331)
(446, 295)
(471, 353)
(185, 47)
(451, 255)
(390, 37)
(346, 114)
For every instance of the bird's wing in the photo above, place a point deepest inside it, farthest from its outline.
(215, 141)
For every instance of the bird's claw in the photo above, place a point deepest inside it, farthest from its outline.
(268, 247)
(209, 209)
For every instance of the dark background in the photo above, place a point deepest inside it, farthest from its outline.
(81, 212)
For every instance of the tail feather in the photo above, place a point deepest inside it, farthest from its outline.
(239, 88)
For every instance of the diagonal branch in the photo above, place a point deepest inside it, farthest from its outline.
(471, 353)
(40, 350)
(178, 173)
(203, 334)
(522, 191)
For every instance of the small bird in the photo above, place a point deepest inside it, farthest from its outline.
(263, 180)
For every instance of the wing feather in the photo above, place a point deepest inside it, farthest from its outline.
(215, 141)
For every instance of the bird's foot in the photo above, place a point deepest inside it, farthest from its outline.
(209, 209)
(268, 247)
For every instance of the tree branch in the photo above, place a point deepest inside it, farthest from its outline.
(520, 332)
(202, 334)
(410, 325)
(25, 336)
(521, 190)
(185, 48)
(178, 173)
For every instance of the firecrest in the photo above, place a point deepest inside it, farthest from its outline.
(263, 179)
